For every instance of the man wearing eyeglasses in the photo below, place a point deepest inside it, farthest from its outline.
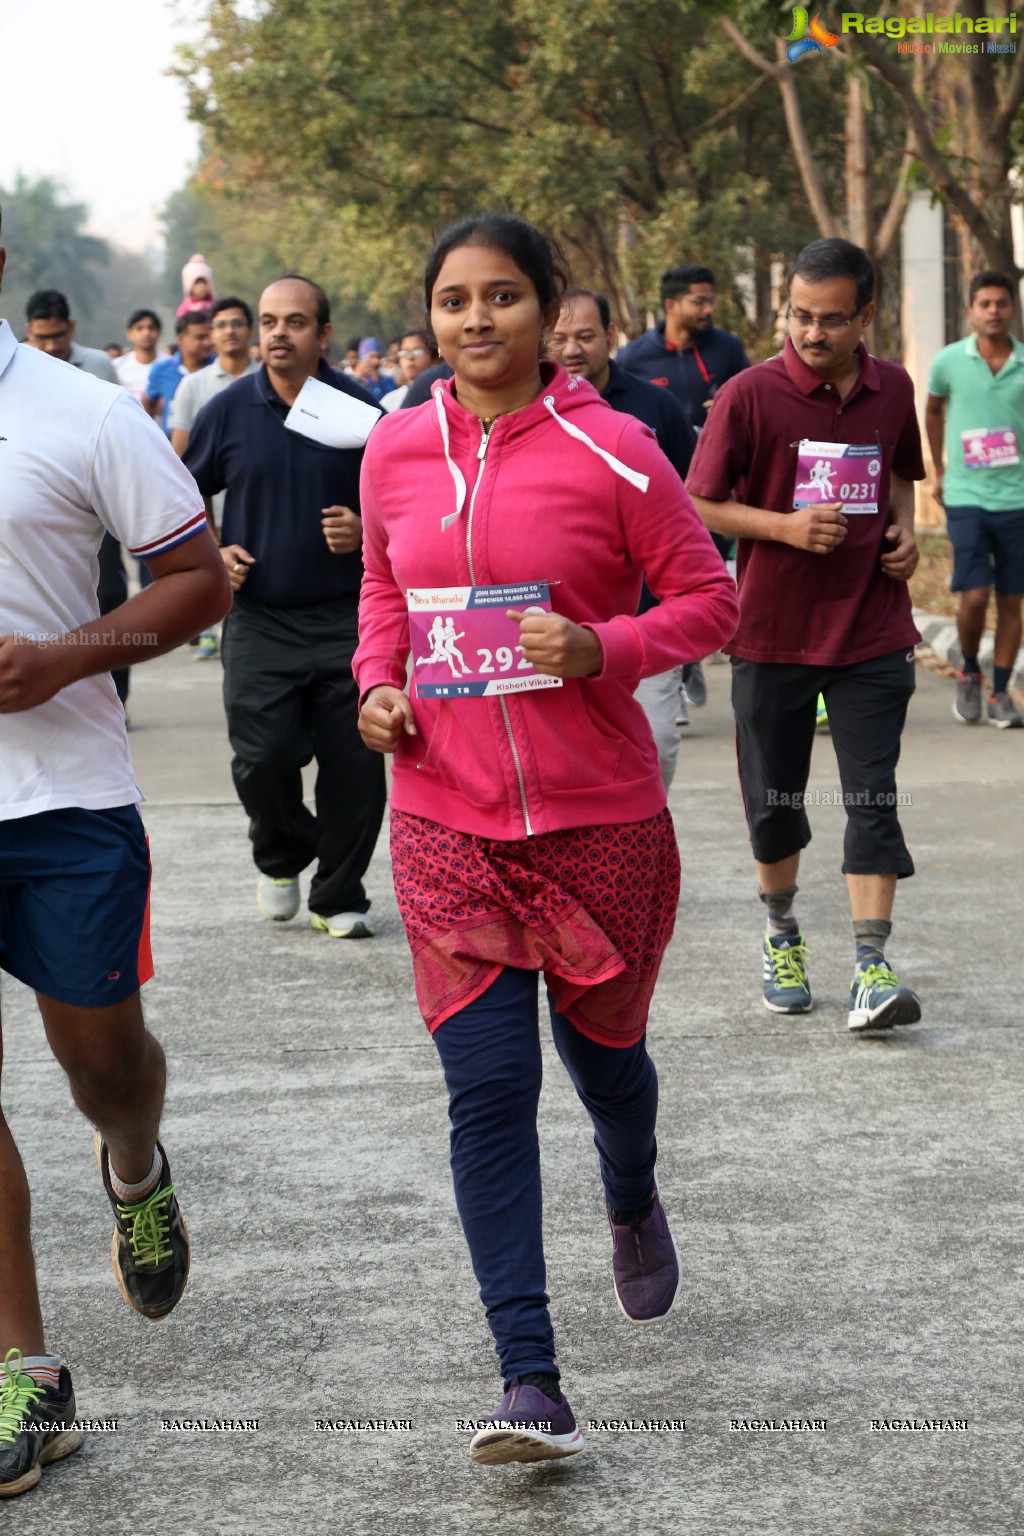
(231, 334)
(415, 354)
(50, 329)
(809, 461)
(686, 353)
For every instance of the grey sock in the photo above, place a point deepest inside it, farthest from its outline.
(130, 1193)
(781, 922)
(870, 935)
(44, 1370)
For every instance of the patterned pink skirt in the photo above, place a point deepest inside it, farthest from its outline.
(591, 907)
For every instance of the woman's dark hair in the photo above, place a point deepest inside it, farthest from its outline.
(537, 257)
(825, 259)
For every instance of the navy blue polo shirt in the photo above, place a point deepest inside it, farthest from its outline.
(717, 354)
(278, 483)
(657, 409)
(660, 411)
(420, 388)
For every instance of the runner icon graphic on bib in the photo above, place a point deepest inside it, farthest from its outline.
(465, 646)
(849, 473)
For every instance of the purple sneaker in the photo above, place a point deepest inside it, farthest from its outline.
(645, 1266)
(527, 1427)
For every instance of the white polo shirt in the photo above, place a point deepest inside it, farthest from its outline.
(77, 456)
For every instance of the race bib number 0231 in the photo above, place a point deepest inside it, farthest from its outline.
(464, 646)
(848, 473)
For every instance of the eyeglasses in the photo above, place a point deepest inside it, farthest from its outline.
(833, 324)
(44, 338)
(412, 352)
(229, 325)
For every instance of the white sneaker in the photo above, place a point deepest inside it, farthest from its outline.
(278, 900)
(345, 925)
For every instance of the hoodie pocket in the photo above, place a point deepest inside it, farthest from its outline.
(573, 745)
(461, 754)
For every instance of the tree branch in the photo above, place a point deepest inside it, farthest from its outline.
(892, 219)
(782, 74)
(747, 48)
(1013, 98)
(942, 177)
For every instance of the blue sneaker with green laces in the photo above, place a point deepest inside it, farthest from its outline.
(877, 1001)
(786, 988)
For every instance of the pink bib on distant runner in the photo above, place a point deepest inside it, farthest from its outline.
(990, 448)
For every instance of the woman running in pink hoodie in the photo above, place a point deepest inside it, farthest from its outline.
(529, 829)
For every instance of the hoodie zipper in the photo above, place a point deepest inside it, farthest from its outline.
(485, 438)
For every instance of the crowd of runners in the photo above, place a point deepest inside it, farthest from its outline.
(495, 549)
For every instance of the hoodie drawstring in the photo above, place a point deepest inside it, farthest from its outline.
(633, 476)
(456, 472)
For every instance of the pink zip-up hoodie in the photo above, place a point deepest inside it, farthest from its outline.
(570, 492)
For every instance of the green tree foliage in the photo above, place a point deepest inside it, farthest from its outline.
(357, 129)
(47, 248)
(249, 241)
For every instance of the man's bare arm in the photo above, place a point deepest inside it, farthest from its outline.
(190, 591)
(818, 529)
(935, 431)
(901, 556)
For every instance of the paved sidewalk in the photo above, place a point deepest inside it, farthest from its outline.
(849, 1210)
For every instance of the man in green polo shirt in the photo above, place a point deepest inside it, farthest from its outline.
(975, 413)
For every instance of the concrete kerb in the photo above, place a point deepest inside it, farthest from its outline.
(940, 634)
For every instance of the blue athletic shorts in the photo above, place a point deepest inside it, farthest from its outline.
(74, 904)
(987, 547)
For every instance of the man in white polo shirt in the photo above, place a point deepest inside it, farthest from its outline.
(50, 329)
(77, 456)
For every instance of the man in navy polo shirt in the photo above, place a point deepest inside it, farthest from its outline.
(689, 356)
(685, 353)
(822, 443)
(291, 542)
(582, 341)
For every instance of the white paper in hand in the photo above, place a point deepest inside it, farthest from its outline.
(330, 416)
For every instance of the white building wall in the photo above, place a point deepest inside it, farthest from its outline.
(923, 317)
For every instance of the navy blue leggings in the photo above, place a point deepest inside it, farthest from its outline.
(490, 1052)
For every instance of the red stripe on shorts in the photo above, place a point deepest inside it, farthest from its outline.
(145, 960)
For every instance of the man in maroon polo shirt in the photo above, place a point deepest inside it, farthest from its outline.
(809, 461)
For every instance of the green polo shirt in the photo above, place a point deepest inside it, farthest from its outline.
(978, 398)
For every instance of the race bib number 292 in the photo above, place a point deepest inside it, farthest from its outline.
(463, 644)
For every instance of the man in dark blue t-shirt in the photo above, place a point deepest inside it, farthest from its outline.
(291, 542)
(685, 353)
(581, 341)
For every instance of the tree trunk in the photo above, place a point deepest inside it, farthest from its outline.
(858, 164)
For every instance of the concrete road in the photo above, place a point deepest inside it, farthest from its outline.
(849, 1209)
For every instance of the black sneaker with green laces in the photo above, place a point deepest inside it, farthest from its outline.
(150, 1248)
(36, 1425)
